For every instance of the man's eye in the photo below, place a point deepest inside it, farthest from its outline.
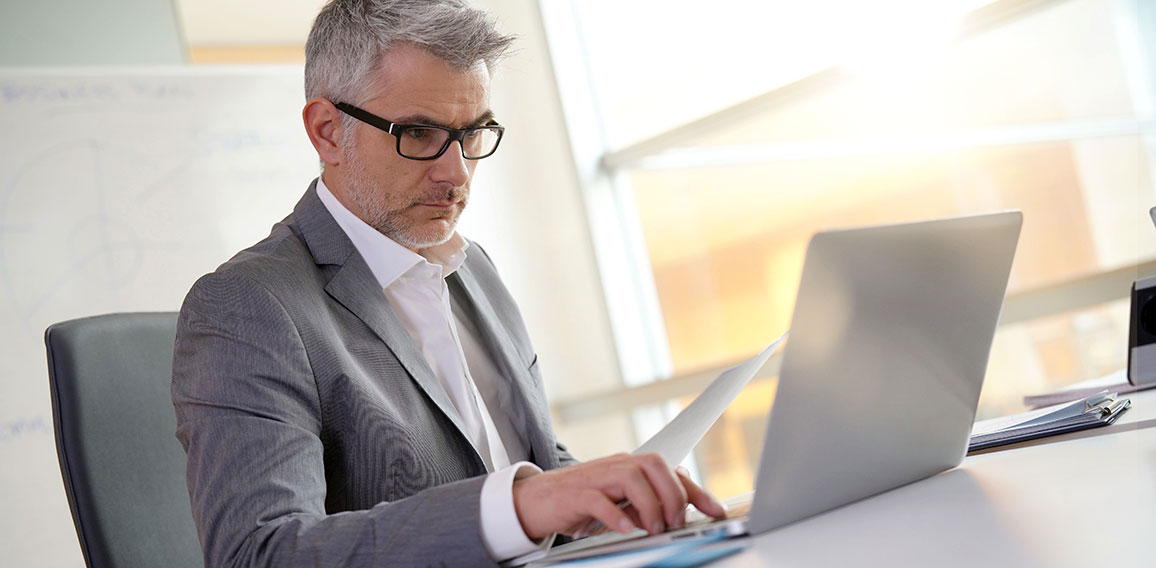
(419, 133)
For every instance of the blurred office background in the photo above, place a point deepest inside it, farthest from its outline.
(666, 162)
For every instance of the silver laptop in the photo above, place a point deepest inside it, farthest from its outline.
(881, 375)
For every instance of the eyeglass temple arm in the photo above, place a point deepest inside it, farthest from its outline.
(366, 117)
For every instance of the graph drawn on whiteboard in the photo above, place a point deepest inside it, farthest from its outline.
(95, 247)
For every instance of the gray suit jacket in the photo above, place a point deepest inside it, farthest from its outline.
(316, 433)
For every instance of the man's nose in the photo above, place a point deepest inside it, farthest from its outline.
(451, 166)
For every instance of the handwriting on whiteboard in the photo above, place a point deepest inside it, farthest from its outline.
(24, 427)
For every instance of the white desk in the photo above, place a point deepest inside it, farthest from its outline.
(1085, 499)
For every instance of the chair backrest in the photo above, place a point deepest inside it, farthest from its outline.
(123, 469)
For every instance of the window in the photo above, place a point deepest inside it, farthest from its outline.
(716, 142)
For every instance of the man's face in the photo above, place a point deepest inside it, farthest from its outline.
(416, 203)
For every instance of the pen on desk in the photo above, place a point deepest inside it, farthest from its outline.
(1098, 402)
(1118, 405)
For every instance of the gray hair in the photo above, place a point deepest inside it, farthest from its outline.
(350, 37)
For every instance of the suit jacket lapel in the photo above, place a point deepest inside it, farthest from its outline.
(519, 396)
(354, 286)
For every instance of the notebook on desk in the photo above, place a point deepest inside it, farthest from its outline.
(880, 379)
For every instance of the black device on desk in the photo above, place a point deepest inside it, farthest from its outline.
(1142, 333)
(1142, 329)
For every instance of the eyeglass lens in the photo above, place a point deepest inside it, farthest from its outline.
(419, 142)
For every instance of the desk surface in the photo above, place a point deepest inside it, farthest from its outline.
(1081, 499)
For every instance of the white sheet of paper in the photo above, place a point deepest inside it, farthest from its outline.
(1004, 422)
(675, 441)
(1047, 414)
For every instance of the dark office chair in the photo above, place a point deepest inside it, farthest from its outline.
(123, 469)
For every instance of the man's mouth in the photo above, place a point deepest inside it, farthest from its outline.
(442, 204)
(443, 200)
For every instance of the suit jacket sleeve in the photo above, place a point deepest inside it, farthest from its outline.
(248, 414)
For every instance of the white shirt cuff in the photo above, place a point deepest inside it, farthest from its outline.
(501, 530)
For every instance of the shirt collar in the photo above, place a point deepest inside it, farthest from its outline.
(387, 259)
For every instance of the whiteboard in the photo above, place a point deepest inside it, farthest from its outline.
(118, 188)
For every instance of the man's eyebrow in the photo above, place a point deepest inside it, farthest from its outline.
(482, 120)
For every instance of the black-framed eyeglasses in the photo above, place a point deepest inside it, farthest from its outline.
(428, 142)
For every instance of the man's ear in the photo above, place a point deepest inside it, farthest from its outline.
(323, 125)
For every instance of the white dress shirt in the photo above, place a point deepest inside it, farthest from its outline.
(415, 285)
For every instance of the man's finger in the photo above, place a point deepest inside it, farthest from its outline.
(667, 486)
(636, 486)
(699, 497)
(597, 505)
(633, 514)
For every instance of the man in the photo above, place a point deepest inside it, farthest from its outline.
(358, 389)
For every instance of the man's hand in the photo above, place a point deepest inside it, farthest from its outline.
(564, 500)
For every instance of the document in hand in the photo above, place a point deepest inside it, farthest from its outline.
(1099, 409)
(675, 441)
